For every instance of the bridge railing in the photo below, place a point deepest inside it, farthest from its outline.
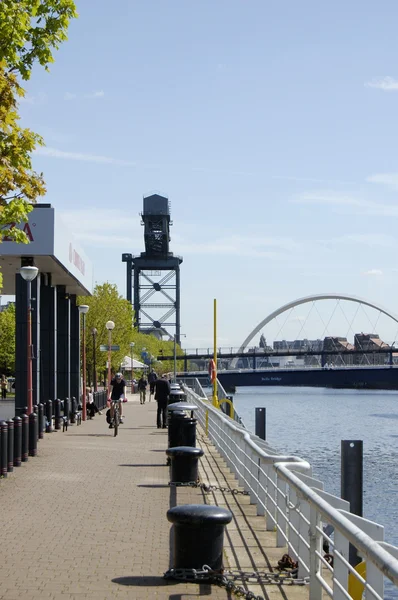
(296, 506)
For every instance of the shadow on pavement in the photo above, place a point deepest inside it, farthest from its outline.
(154, 485)
(161, 465)
(142, 581)
(90, 434)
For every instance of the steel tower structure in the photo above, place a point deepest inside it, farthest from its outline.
(156, 273)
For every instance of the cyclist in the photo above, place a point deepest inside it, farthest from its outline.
(117, 392)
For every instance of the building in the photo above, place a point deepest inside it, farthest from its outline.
(338, 344)
(370, 344)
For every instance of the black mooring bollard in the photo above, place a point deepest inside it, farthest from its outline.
(66, 408)
(352, 483)
(25, 438)
(184, 463)
(33, 434)
(36, 411)
(198, 535)
(3, 448)
(57, 414)
(40, 417)
(10, 450)
(261, 423)
(17, 441)
(73, 410)
(49, 416)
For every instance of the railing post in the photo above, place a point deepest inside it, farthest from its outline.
(315, 591)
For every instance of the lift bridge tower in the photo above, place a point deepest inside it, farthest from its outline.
(156, 274)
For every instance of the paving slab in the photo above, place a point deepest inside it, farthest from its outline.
(86, 518)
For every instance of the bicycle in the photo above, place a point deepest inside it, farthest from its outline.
(116, 417)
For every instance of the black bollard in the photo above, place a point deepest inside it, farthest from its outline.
(36, 411)
(49, 416)
(40, 418)
(73, 410)
(198, 535)
(25, 438)
(33, 434)
(66, 408)
(10, 450)
(261, 423)
(3, 448)
(352, 483)
(57, 414)
(17, 441)
(184, 463)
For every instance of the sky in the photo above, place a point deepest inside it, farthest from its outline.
(270, 126)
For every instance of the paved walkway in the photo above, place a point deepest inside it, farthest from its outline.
(86, 519)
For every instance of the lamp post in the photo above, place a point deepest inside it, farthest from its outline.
(29, 274)
(110, 325)
(132, 344)
(94, 334)
(83, 310)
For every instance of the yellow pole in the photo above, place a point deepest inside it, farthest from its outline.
(215, 399)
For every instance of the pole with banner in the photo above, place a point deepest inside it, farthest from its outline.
(214, 377)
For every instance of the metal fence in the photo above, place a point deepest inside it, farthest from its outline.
(300, 511)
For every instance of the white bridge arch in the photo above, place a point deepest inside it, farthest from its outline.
(305, 300)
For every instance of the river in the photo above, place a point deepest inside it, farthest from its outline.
(311, 422)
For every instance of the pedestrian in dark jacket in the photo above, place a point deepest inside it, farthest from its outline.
(142, 385)
(162, 392)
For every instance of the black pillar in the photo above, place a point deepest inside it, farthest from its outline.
(74, 348)
(21, 327)
(48, 329)
(62, 342)
(36, 285)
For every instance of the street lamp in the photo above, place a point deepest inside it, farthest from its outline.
(132, 344)
(29, 274)
(83, 310)
(94, 334)
(110, 325)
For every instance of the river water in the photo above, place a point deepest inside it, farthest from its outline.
(311, 422)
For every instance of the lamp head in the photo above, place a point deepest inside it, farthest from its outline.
(110, 325)
(83, 309)
(94, 331)
(28, 273)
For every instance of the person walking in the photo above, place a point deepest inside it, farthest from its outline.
(92, 408)
(3, 384)
(162, 392)
(152, 377)
(142, 385)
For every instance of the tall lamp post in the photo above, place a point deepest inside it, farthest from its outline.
(94, 334)
(83, 310)
(29, 274)
(132, 344)
(110, 325)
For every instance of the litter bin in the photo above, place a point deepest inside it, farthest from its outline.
(182, 432)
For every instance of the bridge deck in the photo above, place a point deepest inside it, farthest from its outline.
(86, 519)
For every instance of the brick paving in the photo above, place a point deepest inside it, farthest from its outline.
(86, 519)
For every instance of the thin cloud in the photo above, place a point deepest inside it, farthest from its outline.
(373, 273)
(368, 239)
(346, 203)
(39, 98)
(388, 179)
(69, 96)
(96, 94)
(94, 158)
(387, 84)
(312, 180)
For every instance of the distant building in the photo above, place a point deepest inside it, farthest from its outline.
(338, 344)
(369, 344)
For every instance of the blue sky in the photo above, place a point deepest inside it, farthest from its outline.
(270, 125)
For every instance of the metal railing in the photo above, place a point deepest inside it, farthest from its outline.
(298, 509)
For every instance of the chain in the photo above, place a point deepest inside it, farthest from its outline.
(207, 488)
(228, 579)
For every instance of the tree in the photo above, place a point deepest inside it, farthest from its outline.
(29, 32)
(7, 340)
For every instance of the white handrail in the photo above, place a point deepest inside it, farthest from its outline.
(295, 504)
